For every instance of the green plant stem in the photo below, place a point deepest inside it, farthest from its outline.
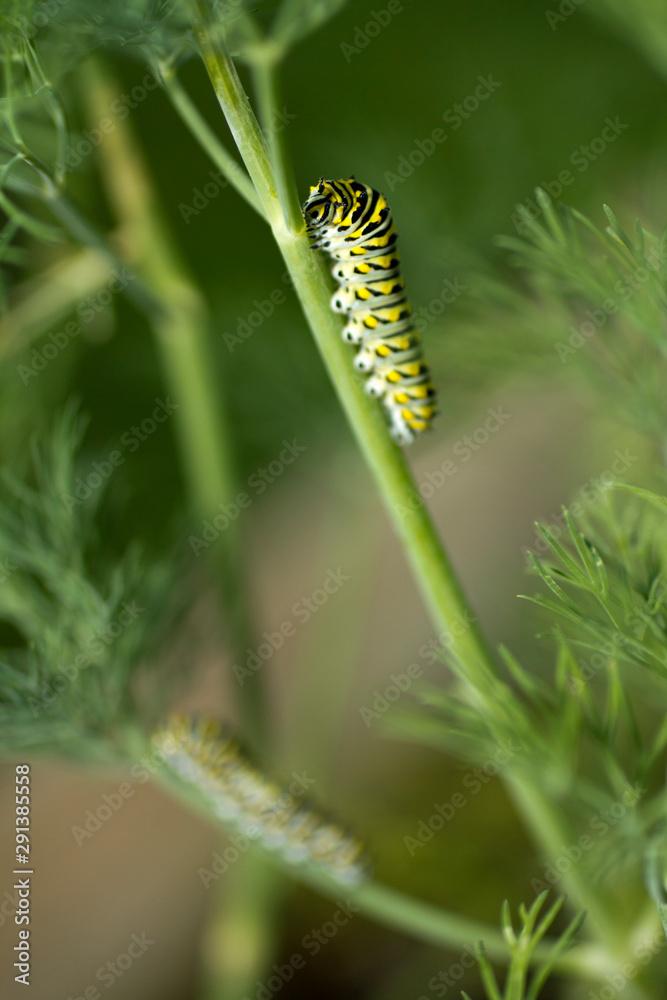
(543, 818)
(433, 571)
(181, 329)
(242, 937)
(434, 574)
(401, 912)
(238, 114)
(269, 100)
(235, 174)
(182, 338)
(439, 927)
(136, 290)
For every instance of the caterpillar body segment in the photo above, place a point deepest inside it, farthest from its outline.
(200, 753)
(353, 224)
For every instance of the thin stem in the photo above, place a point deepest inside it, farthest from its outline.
(432, 569)
(269, 100)
(137, 290)
(404, 913)
(238, 113)
(543, 818)
(242, 937)
(182, 339)
(209, 141)
(61, 288)
(442, 928)
(434, 573)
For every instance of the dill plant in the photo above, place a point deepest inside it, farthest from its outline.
(587, 736)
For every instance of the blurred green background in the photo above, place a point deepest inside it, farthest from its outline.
(557, 88)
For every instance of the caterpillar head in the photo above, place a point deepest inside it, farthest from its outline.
(327, 203)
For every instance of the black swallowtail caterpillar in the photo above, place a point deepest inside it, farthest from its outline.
(199, 752)
(353, 223)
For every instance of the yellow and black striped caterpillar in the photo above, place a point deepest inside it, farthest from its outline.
(199, 753)
(353, 223)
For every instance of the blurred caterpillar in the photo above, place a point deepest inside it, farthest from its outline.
(199, 753)
(353, 223)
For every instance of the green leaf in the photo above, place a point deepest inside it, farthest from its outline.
(487, 974)
(615, 230)
(653, 498)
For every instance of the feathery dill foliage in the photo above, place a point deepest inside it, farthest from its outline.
(519, 983)
(589, 733)
(609, 291)
(590, 730)
(40, 49)
(33, 139)
(593, 729)
(72, 640)
(591, 309)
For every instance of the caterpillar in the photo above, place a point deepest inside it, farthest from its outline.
(353, 223)
(200, 753)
